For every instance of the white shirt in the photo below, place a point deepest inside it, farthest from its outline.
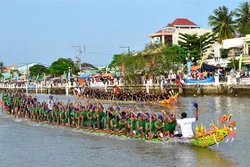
(186, 126)
(50, 104)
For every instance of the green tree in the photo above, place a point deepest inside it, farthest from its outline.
(222, 22)
(117, 61)
(224, 53)
(2, 67)
(243, 18)
(38, 70)
(134, 65)
(196, 45)
(161, 58)
(88, 65)
(233, 63)
(62, 66)
(12, 72)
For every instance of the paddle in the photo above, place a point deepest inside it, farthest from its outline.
(131, 126)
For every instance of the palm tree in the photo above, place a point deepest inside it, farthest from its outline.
(222, 22)
(196, 45)
(243, 18)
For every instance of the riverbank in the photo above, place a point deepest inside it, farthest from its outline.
(186, 90)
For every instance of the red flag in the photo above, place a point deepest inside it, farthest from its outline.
(153, 63)
(153, 68)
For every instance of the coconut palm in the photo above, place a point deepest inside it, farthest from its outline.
(222, 22)
(243, 18)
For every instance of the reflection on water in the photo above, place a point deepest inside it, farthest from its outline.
(207, 157)
(22, 139)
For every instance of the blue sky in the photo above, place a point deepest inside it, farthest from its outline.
(44, 30)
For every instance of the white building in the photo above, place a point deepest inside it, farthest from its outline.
(170, 34)
(234, 48)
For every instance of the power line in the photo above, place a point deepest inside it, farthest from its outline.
(101, 53)
(128, 47)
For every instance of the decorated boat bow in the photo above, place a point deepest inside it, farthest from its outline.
(216, 133)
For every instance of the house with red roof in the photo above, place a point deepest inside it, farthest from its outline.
(9, 67)
(169, 34)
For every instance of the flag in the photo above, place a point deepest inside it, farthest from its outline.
(37, 77)
(202, 59)
(153, 63)
(107, 69)
(240, 62)
(123, 70)
(69, 75)
(153, 67)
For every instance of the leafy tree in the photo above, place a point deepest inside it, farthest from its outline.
(117, 61)
(196, 45)
(233, 63)
(12, 72)
(2, 67)
(162, 58)
(222, 22)
(224, 53)
(243, 18)
(62, 65)
(88, 65)
(38, 70)
(133, 66)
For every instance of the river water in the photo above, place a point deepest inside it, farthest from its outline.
(28, 144)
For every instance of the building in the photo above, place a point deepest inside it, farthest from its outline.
(169, 34)
(232, 49)
(9, 67)
(246, 50)
(24, 70)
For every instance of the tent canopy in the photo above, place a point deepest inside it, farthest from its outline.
(84, 76)
(107, 75)
(207, 67)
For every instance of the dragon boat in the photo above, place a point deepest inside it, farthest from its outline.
(171, 99)
(203, 138)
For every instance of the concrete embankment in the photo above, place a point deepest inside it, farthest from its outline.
(186, 90)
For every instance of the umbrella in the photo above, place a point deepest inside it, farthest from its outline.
(107, 75)
(84, 76)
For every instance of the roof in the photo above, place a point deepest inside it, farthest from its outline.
(9, 67)
(181, 21)
(165, 31)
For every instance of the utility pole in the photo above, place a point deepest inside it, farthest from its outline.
(79, 58)
(84, 59)
(27, 71)
(127, 47)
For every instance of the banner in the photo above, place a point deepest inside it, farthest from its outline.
(202, 59)
(189, 67)
(240, 62)
(37, 77)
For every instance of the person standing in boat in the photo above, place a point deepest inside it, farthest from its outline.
(186, 123)
(50, 102)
